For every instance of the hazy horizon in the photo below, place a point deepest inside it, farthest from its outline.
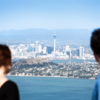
(46, 36)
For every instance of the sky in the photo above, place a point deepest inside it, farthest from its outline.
(49, 14)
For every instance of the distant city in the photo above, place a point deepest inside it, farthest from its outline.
(38, 49)
(40, 59)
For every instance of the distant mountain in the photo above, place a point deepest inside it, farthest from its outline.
(43, 35)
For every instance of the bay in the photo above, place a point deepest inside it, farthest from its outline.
(53, 88)
(71, 60)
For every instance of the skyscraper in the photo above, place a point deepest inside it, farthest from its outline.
(44, 50)
(49, 49)
(37, 47)
(54, 42)
(40, 47)
(81, 51)
(67, 51)
(75, 52)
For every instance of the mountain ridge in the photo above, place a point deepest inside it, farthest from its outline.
(45, 34)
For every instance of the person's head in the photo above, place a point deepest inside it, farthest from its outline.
(5, 58)
(95, 44)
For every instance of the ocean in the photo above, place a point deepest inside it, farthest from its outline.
(53, 88)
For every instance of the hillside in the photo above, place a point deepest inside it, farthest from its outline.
(32, 62)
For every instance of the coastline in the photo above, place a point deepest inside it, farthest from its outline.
(51, 76)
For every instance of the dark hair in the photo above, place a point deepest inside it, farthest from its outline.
(5, 57)
(95, 42)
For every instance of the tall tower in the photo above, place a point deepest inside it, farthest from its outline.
(54, 42)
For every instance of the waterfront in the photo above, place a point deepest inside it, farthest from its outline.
(77, 68)
(53, 88)
(63, 61)
(72, 60)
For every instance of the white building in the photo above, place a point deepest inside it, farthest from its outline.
(54, 44)
(67, 51)
(37, 47)
(40, 48)
(81, 52)
(44, 50)
(67, 48)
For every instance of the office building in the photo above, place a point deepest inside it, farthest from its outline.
(75, 52)
(81, 51)
(49, 49)
(54, 42)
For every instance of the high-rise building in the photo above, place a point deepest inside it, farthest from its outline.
(67, 48)
(40, 48)
(67, 51)
(45, 50)
(49, 49)
(54, 42)
(37, 47)
(81, 51)
(75, 52)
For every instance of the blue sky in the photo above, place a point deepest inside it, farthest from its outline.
(49, 14)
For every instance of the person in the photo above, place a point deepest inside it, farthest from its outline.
(95, 45)
(8, 88)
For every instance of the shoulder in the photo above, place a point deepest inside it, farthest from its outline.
(9, 87)
(12, 83)
(11, 90)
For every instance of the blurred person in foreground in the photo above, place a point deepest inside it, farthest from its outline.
(95, 45)
(8, 89)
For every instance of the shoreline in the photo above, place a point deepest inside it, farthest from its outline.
(52, 77)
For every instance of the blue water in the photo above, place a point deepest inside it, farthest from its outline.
(15, 60)
(72, 60)
(51, 88)
(64, 61)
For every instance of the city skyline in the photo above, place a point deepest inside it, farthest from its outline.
(40, 50)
